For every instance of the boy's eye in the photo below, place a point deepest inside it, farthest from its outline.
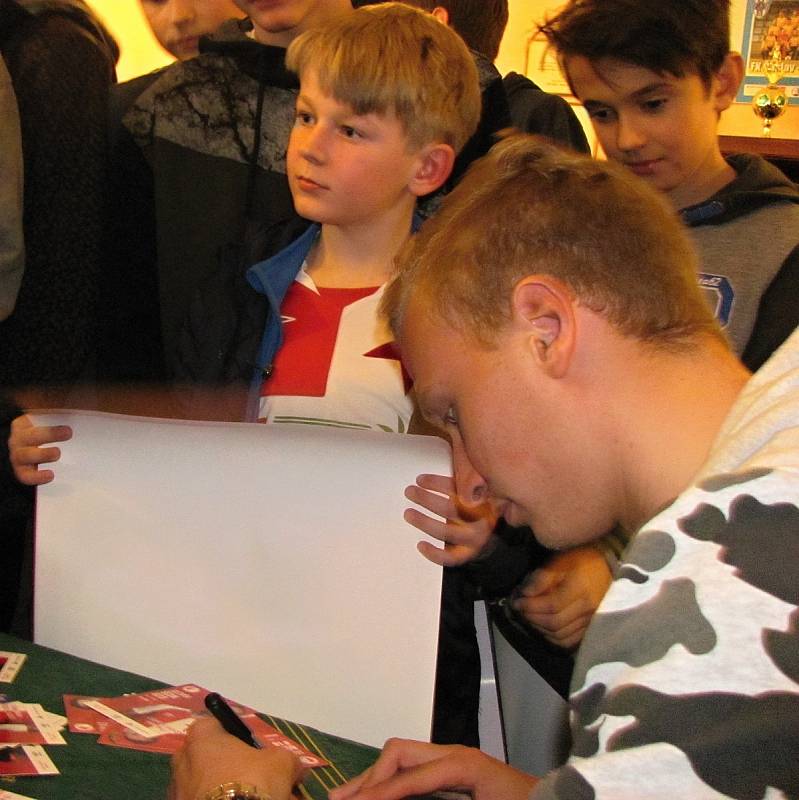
(654, 105)
(350, 133)
(302, 118)
(599, 114)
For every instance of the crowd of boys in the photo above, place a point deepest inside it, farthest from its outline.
(578, 396)
(587, 382)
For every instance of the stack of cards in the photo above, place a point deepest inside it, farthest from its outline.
(10, 665)
(12, 796)
(25, 759)
(157, 721)
(29, 723)
(24, 728)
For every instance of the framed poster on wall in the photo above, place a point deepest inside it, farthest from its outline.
(541, 66)
(771, 44)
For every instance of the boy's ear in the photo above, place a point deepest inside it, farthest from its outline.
(434, 165)
(727, 80)
(542, 310)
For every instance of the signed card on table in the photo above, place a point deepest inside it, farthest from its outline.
(28, 723)
(158, 721)
(10, 665)
(24, 759)
(269, 561)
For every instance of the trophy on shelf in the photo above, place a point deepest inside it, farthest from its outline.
(770, 101)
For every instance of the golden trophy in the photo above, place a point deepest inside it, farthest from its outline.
(769, 102)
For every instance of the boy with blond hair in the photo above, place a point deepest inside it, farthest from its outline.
(388, 96)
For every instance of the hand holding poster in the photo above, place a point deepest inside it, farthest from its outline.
(270, 562)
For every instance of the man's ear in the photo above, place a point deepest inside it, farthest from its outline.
(726, 81)
(441, 14)
(434, 165)
(542, 310)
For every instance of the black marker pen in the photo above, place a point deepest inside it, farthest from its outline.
(229, 719)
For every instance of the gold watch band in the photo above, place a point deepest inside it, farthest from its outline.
(236, 791)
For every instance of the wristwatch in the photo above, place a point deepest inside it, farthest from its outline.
(236, 791)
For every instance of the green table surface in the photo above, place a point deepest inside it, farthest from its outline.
(92, 771)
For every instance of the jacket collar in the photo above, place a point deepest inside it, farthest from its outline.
(264, 63)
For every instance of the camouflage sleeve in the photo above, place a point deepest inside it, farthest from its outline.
(561, 784)
(689, 672)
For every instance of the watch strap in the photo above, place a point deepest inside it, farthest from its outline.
(234, 790)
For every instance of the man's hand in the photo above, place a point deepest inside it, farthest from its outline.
(560, 598)
(26, 453)
(407, 768)
(211, 757)
(468, 529)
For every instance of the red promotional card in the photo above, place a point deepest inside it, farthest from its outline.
(23, 759)
(157, 721)
(120, 736)
(27, 723)
(10, 665)
(267, 735)
(149, 714)
(158, 712)
(81, 718)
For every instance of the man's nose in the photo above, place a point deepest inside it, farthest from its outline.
(470, 484)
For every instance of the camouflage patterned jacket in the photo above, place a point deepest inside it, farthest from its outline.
(687, 682)
(199, 164)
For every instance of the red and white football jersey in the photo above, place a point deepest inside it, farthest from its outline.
(338, 364)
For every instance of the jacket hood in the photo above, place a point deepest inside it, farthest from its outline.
(757, 183)
(514, 82)
(253, 58)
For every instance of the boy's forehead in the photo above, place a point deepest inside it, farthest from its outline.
(615, 75)
(312, 89)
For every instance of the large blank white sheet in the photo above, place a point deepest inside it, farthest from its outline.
(270, 563)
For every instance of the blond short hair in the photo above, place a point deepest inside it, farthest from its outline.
(529, 207)
(394, 58)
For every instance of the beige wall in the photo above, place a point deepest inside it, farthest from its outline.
(739, 120)
(139, 51)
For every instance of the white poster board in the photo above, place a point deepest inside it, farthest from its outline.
(270, 563)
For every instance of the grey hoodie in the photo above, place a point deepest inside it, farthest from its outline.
(747, 235)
